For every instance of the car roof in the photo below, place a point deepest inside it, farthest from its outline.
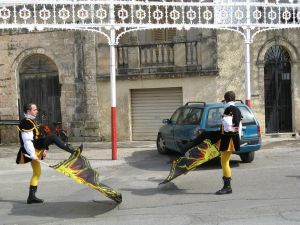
(209, 105)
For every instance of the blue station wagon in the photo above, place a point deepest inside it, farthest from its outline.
(197, 119)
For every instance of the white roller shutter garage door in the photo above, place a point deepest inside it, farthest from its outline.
(149, 107)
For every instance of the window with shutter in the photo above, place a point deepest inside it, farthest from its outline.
(161, 35)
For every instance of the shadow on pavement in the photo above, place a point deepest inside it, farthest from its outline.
(168, 189)
(153, 161)
(150, 160)
(294, 176)
(65, 210)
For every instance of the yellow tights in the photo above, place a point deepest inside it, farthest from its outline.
(36, 173)
(225, 157)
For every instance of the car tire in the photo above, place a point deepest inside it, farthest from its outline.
(247, 157)
(161, 145)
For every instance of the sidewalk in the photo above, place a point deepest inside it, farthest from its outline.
(98, 153)
(105, 147)
(101, 151)
(279, 138)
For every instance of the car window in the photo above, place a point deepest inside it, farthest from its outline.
(175, 116)
(194, 116)
(182, 118)
(214, 117)
(187, 116)
(248, 117)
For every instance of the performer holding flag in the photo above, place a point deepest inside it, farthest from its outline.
(230, 138)
(33, 147)
(212, 144)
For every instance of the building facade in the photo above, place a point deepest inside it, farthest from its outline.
(57, 71)
(67, 74)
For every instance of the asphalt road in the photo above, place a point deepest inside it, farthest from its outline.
(266, 191)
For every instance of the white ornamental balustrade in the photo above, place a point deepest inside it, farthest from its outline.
(246, 17)
(235, 15)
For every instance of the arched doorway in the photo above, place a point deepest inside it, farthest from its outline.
(39, 83)
(277, 86)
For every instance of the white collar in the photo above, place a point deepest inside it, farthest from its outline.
(29, 116)
(227, 104)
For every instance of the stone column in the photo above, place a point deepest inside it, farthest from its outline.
(85, 120)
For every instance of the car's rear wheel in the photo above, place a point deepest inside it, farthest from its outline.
(247, 157)
(161, 144)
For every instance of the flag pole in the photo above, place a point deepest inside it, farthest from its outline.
(40, 161)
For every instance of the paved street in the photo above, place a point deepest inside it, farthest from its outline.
(266, 191)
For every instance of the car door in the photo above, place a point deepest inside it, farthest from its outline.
(167, 131)
(187, 128)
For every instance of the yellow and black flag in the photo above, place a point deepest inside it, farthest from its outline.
(79, 169)
(194, 157)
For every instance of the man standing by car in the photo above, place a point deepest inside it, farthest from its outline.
(230, 138)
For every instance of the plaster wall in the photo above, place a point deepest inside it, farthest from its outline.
(194, 89)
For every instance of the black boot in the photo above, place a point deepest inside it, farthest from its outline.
(54, 139)
(71, 149)
(32, 198)
(226, 188)
(80, 148)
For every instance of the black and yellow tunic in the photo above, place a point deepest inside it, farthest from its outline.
(28, 125)
(230, 141)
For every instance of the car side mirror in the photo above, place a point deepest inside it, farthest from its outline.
(166, 121)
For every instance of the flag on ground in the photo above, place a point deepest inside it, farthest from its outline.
(79, 169)
(194, 157)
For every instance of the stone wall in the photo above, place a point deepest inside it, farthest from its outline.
(74, 56)
(289, 40)
(232, 70)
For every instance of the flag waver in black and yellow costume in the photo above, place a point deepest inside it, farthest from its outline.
(213, 144)
(230, 138)
(33, 147)
(28, 134)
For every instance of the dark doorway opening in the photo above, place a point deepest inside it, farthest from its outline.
(277, 86)
(39, 83)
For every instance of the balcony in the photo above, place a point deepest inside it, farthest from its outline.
(165, 58)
